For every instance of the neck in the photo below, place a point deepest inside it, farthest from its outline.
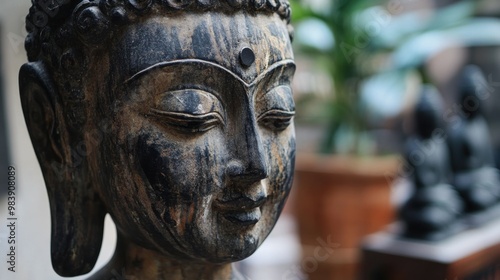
(131, 261)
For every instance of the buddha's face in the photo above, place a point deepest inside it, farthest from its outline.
(199, 157)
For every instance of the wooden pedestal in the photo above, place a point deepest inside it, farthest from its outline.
(473, 254)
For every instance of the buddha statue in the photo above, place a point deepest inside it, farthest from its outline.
(434, 209)
(173, 116)
(471, 152)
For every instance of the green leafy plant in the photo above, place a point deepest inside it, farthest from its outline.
(378, 46)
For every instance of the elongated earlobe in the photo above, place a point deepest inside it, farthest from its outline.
(77, 212)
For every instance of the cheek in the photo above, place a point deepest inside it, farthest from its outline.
(180, 172)
(281, 157)
(176, 180)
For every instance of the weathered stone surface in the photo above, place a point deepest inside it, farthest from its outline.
(173, 116)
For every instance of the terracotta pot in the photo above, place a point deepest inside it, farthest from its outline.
(337, 201)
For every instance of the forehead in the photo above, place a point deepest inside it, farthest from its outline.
(215, 37)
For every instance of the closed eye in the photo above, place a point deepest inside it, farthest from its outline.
(276, 119)
(188, 122)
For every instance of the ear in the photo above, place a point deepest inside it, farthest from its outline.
(77, 212)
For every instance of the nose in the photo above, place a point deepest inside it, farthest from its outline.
(248, 160)
(246, 173)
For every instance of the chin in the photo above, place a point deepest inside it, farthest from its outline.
(232, 248)
(237, 253)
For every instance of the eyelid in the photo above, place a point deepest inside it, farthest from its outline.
(190, 122)
(180, 115)
(191, 101)
(276, 119)
(277, 103)
(277, 114)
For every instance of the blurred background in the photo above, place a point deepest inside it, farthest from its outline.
(361, 65)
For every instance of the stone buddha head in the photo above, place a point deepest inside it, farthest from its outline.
(173, 116)
(428, 113)
(473, 89)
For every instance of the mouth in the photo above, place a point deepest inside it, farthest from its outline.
(243, 210)
(245, 218)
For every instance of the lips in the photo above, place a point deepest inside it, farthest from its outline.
(243, 210)
(245, 218)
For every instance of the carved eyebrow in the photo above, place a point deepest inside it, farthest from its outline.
(260, 97)
(285, 63)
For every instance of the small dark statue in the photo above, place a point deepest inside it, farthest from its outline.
(434, 208)
(173, 116)
(475, 176)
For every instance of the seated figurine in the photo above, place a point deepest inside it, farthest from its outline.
(173, 116)
(471, 153)
(433, 210)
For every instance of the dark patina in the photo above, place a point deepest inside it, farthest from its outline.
(175, 117)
